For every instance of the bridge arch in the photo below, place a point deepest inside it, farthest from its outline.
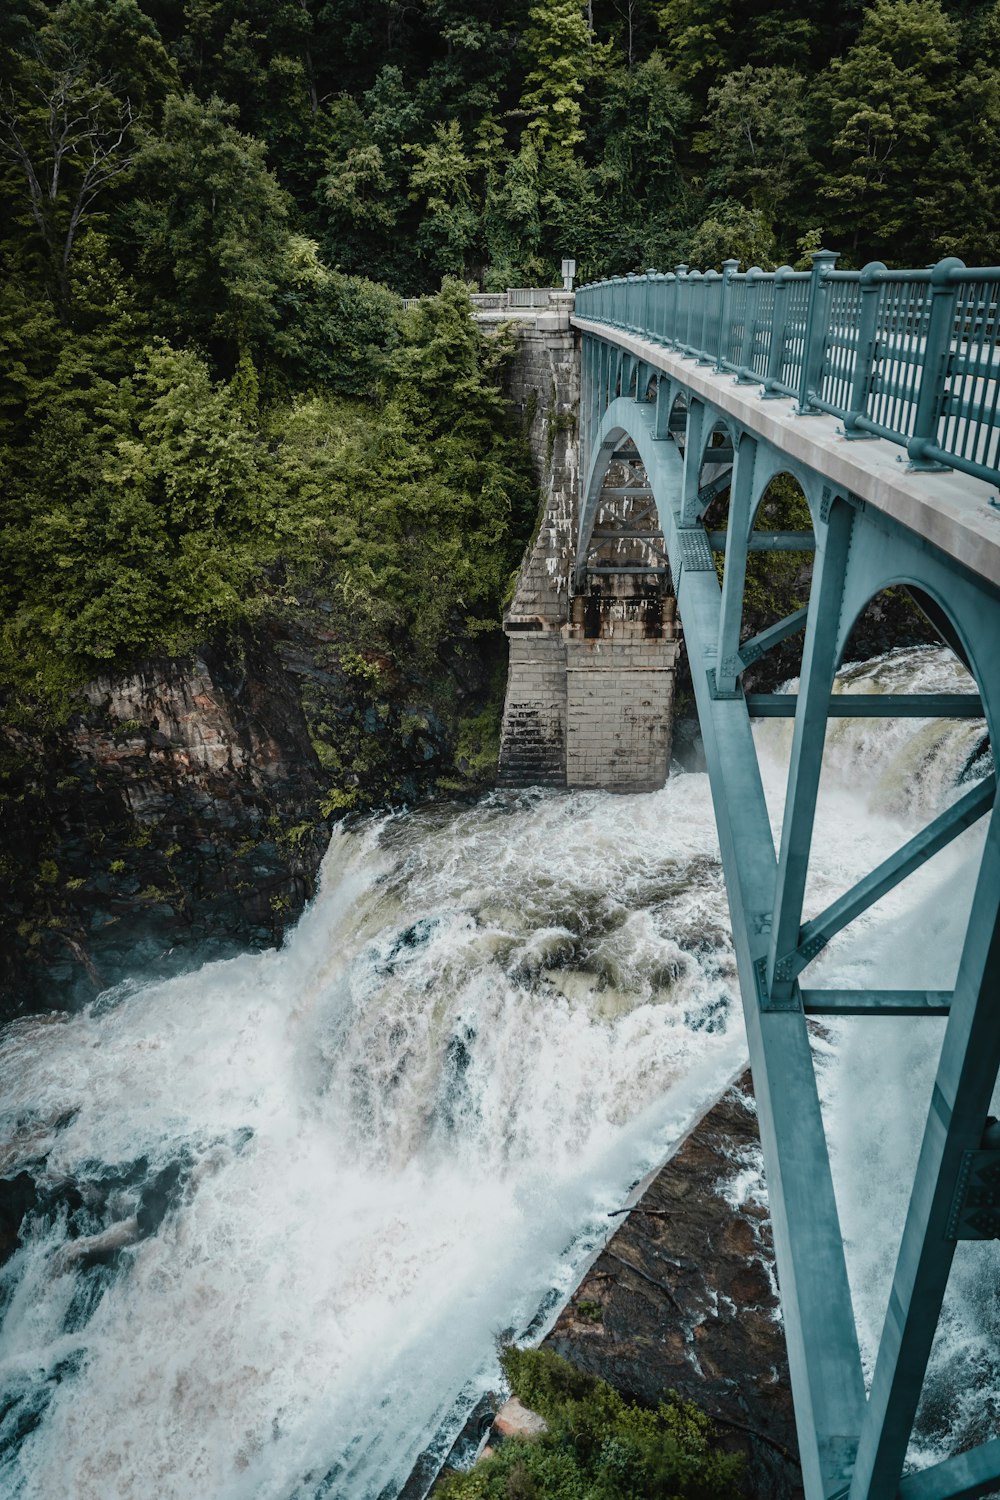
(625, 420)
(770, 464)
(676, 401)
(962, 620)
(718, 425)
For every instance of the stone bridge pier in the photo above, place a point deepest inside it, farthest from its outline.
(591, 672)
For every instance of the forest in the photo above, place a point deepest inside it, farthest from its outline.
(209, 392)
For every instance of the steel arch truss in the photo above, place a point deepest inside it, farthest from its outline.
(853, 1443)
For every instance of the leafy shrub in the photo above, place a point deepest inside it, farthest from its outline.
(599, 1446)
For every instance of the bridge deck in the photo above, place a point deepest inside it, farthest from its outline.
(948, 509)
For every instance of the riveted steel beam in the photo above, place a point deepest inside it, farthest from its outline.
(759, 645)
(966, 1077)
(872, 706)
(876, 1002)
(769, 541)
(816, 933)
(968, 1476)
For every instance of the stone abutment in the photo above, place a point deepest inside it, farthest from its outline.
(591, 673)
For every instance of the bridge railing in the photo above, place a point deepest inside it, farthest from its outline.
(911, 356)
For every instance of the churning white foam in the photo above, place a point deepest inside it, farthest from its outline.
(389, 1142)
(289, 1201)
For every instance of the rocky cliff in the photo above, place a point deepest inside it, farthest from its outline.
(183, 811)
(174, 817)
(683, 1298)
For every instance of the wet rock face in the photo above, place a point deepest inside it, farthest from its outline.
(684, 1298)
(175, 818)
(183, 813)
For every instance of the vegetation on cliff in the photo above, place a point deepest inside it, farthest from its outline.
(208, 389)
(598, 1445)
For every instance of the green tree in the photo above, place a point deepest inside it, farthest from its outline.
(512, 218)
(68, 133)
(562, 57)
(440, 182)
(884, 102)
(333, 331)
(420, 513)
(729, 229)
(699, 36)
(138, 525)
(211, 224)
(957, 202)
(598, 1445)
(639, 136)
(755, 136)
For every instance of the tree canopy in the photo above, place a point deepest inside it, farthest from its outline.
(209, 211)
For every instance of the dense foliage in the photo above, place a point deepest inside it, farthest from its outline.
(412, 141)
(208, 210)
(598, 1446)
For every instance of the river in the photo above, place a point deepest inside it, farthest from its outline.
(288, 1202)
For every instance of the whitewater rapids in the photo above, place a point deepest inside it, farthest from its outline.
(287, 1202)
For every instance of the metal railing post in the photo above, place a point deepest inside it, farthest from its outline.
(729, 269)
(693, 287)
(745, 374)
(866, 349)
(817, 330)
(711, 292)
(631, 298)
(658, 304)
(680, 273)
(934, 370)
(779, 333)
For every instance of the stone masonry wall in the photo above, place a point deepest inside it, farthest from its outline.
(533, 749)
(544, 380)
(619, 700)
(579, 711)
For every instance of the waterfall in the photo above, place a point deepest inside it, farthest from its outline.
(286, 1203)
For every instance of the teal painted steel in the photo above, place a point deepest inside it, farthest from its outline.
(759, 645)
(819, 1321)
(965, 1477)
(768, 541)
(876, 1002)
(910, 356)
(862, 354)
(966, 1077)
(872, 706)
(815, 934)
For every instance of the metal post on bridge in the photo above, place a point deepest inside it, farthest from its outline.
(934, 368)
(680, 273)
(710, 316)
(738, 531)
(729, 269)
(866, 348)
(817, 330)
(779, 333)
(745, 374)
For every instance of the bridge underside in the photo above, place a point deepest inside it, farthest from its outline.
(854, 1440)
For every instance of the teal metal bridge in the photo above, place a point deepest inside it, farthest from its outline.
(711, 383)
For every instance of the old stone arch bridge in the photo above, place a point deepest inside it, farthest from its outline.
(878, 392)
